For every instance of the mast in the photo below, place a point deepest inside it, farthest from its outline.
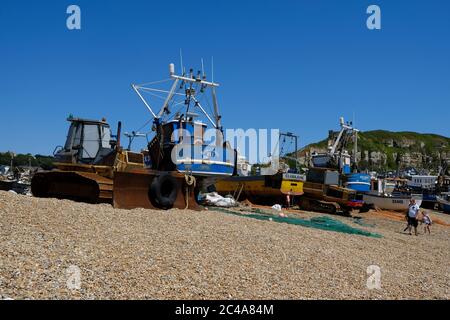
(194, 87)
(216, 109)
(355, 147)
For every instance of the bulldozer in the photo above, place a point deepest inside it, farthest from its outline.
(179, 160)
(84, 166)
(323, 193)
(92, 167)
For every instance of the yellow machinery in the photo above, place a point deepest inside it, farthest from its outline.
(282, 187)
(92, 167)
(323, 193)
(181, 158)
(263, 189)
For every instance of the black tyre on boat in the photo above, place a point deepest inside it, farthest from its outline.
(163, 191)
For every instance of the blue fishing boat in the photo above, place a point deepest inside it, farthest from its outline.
(359, 182)
(196, 157)
(183, 141)
(444, 202)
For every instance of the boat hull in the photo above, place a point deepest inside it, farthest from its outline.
(389, 203)
(358, 182)
(204, 160)
(261, 189)
(206, 169)
(444, 205)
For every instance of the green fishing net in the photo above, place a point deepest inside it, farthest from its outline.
(323, 222)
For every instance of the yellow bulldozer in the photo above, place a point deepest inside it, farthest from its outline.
(180, 159)
(93, 167)
(323, 193)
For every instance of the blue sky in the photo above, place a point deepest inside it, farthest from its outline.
(292, 65)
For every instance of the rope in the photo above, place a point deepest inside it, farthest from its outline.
(190, 182)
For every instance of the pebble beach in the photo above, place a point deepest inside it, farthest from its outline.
(60, 249)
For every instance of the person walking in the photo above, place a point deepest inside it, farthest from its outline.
(427, 222)
(413, 211)
(407, 216)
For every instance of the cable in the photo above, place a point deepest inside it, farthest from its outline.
(154, 82)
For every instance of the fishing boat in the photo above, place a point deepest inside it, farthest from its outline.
(181, 140)
(181, 158)
(390, 201)
(270, 185)
(444, 202)
(359, 182)
(382, 196)
(262, 189)
(422, 182)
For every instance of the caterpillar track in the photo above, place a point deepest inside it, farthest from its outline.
(73, 185)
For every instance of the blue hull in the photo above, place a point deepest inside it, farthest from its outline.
(429, 197)
(444, 204)
(445, 207)
(359, 182)
(203, 169)
(204, 160)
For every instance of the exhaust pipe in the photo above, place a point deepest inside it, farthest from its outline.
(119, 129)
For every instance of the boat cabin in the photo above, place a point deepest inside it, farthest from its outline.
(180, 145)
(422, 182)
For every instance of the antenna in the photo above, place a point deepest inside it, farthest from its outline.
(212, 69)
(133, 135)
(355, 141)
(181, 62)
(203, 68)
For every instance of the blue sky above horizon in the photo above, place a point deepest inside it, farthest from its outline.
(292, 65)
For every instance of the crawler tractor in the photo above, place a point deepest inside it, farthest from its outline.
(179, 159)
(323, 193)
(92, 167)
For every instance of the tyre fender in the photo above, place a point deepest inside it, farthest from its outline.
(164, 191)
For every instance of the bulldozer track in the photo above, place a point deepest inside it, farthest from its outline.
(79, 186)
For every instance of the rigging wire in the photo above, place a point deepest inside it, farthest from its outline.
(154, 82)
(144, 125)
(178, 98)
(155, 95)
(158, 90)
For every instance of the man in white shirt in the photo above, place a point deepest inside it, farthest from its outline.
(413, 211)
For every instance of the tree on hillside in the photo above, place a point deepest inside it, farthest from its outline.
(45, 162)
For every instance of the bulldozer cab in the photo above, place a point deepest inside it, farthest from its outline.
(88, 142)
